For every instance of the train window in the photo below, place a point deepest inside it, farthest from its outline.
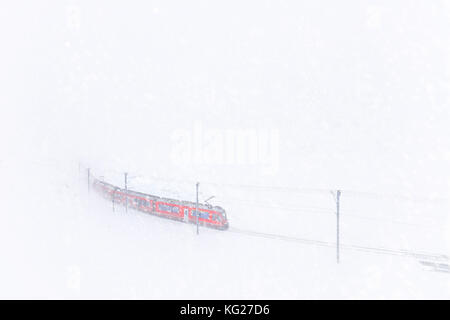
(204, 215)
(168, 208)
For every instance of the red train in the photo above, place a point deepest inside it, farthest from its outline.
(209, 216)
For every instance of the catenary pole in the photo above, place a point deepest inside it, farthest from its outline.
(88, 178)
(113, 199)
(196, 206)
(126, 192)
(338, 196)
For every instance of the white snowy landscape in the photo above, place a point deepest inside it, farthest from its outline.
(272, 106)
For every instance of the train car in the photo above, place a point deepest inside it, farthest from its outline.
(183, 211)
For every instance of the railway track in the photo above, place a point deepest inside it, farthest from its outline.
(419, 255)
(376, 250)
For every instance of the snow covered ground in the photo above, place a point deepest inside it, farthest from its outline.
(58, 242)
(317, 96)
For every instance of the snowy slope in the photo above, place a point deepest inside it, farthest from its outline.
(71, 245)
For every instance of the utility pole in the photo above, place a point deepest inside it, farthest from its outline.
(88, 178)
(338, 196)
(126, 192)
(196, 207)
